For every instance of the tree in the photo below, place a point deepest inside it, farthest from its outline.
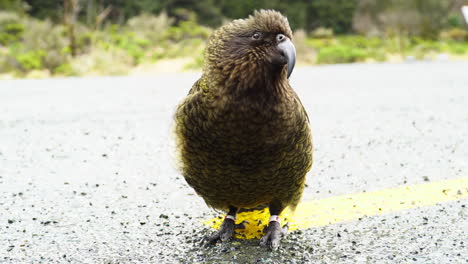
(45, 9)
(71, 8)
(335, 14)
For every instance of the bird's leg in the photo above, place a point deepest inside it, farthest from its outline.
(226, 230)
(274, 232)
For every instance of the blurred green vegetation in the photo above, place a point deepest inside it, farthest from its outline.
(111, 37)
(28, 44)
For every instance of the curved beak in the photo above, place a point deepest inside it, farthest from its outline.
(289, 51)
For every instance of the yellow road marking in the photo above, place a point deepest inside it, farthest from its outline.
(350, 207)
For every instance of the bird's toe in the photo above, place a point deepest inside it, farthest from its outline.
(273, 235)
(224, 233)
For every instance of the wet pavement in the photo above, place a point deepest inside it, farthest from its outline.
(88, 170)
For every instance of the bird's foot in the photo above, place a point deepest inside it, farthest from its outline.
(226, 231)
(273, 234)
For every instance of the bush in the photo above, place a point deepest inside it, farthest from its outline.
(186, 30)
(129, 42)
(423, 45)
(305, 53)
(85, 38)
(99, 62)
(18, 6)
(33, 44)
(322, 33)
(341, 54)
(65, 70)
(11, 28)
(455, 34)
(43, 36)
(184, 48)
(150, 27)
(456, 48)
(30, 60)
(40, 48)
(320, 43)
(361, 42)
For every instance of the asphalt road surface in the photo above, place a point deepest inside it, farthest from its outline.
(88, 171)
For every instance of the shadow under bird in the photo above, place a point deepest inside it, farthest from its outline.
(242, 133)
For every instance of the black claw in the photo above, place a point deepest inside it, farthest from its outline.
(241, 225)
(285, 229)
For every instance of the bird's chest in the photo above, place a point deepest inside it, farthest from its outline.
(247, 132)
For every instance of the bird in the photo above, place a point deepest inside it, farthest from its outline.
(242, 134)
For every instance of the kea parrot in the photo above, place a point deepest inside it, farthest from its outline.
(242, 133)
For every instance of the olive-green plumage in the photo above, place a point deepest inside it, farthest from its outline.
(242, 132)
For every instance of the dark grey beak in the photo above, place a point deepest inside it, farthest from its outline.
(289, 51)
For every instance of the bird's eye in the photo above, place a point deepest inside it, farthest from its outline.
(256, 35)
(280, 37)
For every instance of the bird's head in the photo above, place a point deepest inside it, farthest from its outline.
(248, 51)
